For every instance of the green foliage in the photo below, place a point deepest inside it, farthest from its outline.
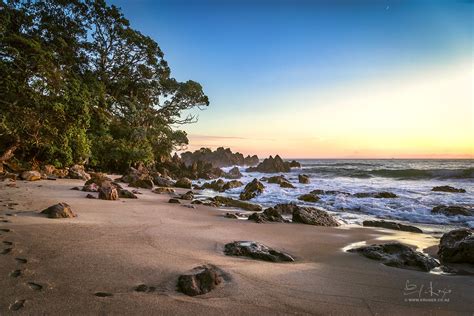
(77, 84)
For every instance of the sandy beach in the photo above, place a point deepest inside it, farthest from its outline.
(113, 246)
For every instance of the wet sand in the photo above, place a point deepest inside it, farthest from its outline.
(56, 266)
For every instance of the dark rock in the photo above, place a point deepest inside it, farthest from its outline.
(309, 198)
(447, 188)
(229, 202)
(313, 216)
(282, 181)
(78, 172)
(187, 196)
(60, 210)
(377, 195)
(252, 189)
(126, 194)
(142, 183)
(329, 192)
(76, 189)
(256, 250)
(303, 178)
(200, 280)
(162, 190)
(233, 173)
(163, 182)
(231, 185)
(398, 255)
(31, 175)
(92, 187)
(457, 246)
(251, 160)
(392, 225)
(271, 165)
(197, 202)
(183, 183)
(174, 201)
(269, 215)
(90, 196)
(215, 185)
(108, 192)
(98, 179)
(451, 210)
(295, 164)
(231, 215)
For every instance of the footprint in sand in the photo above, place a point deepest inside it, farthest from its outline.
(5, 230)
(17, 305)
(21, 260)
(15, 274)
(6, 242)
(103, 294)
(35, 286)
(6, 251)
(5, 221)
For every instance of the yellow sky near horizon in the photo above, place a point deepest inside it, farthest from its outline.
(426, 113)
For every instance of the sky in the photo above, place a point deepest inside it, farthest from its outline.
(322, 79)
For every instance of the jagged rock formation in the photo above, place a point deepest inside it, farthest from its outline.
(221, 157)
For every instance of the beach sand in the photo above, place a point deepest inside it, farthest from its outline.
(113, 246)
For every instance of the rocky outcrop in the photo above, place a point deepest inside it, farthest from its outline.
(451, 210)
(313, 216)
(229, 202)
(220, 185)
(125, 194)
(200, 280)
(376, 195)
(187, 196)
(310, 197)
(294, 164)
(221, 157)
(99, 179)
(31, 175)
(108, 192)
(397, 255)
(60, 210)
(269, 215)
(256, 250)
(174, 201)
(271, 165)
(142, 183)
(252, 189)
(233, 173)
(392, 225)
(282, 181)
(457, 246)
(184, 183)
(163, 181)
(78, 172)
(447, 188)
(303, 178)
(232, 185)
(328, 192)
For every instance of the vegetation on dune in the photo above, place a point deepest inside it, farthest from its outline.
(79, 85)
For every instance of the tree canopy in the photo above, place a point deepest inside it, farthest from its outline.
(79, 85)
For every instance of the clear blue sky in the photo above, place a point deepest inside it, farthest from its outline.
(254, 57)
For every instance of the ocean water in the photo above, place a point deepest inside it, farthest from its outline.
(411, 180)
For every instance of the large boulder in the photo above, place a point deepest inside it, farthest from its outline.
(447, 188)
(31, 175)
(233, 173)
(99, 179)
(303, 178)
(457, 246)
(108, 192)
(187, 196)
(269, 215)
(163, 181)
(282, 181)
(252, 189)
(309, 197)
(78, 172)
(183, 183)
(232, 185)
(229, 202)
(313, 216)
(451, 210)
(398, 255)
(376, 195)
(271, 165)
(60, 210)
(142, 183)
(256, 250)
(200, 280)
(161, 190)
(392, 225)
(295, 164)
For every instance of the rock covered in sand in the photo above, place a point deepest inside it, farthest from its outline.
(60, 210)
(200, 280)
(256, 250)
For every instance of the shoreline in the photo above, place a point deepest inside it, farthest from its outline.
(113, 246)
